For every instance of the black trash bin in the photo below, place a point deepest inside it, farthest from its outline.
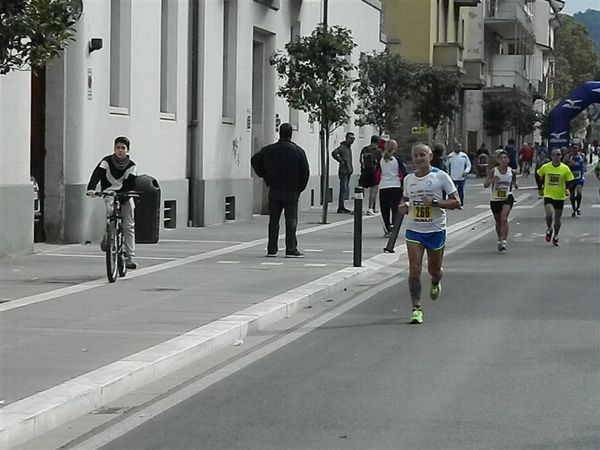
(147, 210)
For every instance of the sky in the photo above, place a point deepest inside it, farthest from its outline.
(574, 6)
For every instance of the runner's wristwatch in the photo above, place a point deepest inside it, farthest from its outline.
(434, 202)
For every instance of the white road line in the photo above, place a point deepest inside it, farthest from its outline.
(87, 255)
(201, 241)
(347, 251)
(595, 206)
(482, 206)
(312, 250)
(315, 265)
(271, 264)
(228, 262)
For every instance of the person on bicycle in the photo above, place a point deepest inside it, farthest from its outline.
(117, 173)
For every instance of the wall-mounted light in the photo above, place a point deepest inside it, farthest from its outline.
(95, 44)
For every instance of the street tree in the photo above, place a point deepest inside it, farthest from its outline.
(435, 96)
(497, 114)
(317, 78)
(33, 32)
(576, 58)
(384, 83)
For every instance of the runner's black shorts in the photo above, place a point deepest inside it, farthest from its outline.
(496, 205)
(558, 204)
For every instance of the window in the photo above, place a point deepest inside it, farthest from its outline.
(229, 59)
(120, 55)
(168, 57)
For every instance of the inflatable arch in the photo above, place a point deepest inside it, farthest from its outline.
(560, 116)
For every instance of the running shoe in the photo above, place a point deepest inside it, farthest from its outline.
(503, 248)
(555, 241)
(578, 212)
(548, 235)
(573, 214)
(499, 246)
(435, 290)
(417, 317)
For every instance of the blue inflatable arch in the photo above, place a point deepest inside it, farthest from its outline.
(560, 116)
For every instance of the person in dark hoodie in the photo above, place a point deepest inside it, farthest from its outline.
(284, 168)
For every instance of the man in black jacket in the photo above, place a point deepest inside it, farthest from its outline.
(284, 167)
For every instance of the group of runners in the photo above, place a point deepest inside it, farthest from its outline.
(429, 191)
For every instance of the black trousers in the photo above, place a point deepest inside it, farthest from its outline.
(286, 201)
(389, 198)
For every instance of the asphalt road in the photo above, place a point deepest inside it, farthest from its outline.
(508, 358)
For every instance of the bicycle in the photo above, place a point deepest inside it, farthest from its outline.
(116, 264)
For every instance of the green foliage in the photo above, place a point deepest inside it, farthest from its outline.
(523, 118)
(576, 58)
(32, 32)
(590, 19)
(497, 113)
(317, 74)
(385, 81)
(435, 95)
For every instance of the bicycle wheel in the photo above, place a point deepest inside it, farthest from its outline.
(121, 262)
(111, 251)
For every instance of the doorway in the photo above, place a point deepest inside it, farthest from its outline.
(263, 117)
(38, 150)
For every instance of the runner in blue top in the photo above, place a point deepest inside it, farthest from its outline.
(577, 164)
(424, 204)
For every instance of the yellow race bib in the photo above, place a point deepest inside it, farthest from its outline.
(500, 193)
(422, 213)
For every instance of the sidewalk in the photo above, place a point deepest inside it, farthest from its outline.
(71, 342)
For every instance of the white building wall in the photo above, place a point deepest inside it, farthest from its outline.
(158, 144)
(16, 191)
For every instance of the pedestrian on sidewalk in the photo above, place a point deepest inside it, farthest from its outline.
(556, 179)
(116, 173)
(284, 167)
(343, 155)
(393, 172)
(369, 166)
(459, 166)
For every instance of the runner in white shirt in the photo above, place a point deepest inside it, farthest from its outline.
(502, 179)
(424, 204)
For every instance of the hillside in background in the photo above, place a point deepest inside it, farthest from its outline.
(590, 19)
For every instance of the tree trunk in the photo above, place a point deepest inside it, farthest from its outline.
(324, 138)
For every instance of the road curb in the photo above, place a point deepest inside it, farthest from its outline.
(38, 414)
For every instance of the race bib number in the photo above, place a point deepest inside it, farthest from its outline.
(554, 179)
(422, 213)
(500, 193)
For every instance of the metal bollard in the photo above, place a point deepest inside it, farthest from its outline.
(358, 201)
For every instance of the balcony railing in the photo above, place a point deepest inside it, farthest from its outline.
(466, 3)
(448, 55)
(474, 74)
(508, 71)
(501, 16)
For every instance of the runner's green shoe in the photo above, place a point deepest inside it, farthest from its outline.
(435, 290)
(417, 317)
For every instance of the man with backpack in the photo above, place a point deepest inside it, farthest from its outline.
(369, 166)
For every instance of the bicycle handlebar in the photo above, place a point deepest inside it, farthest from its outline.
(103, 194)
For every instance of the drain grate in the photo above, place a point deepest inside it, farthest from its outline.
(112, 410)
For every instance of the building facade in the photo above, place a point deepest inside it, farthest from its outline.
(189, 82)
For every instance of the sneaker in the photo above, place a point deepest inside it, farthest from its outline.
(548, 235)
(417, 317)
(435, 290)
(573, 213)
(271, 255)
(343, 211)
(130, 263)
(578, 212)
(103, 243)
(294, 254)
(370, 212)
(555, 241)
(503, 248)
(499, 246)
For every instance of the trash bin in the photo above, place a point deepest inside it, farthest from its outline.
(147, 210)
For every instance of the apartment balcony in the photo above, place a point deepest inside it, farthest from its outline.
(474, 78)
(448, 55)
(513, 21)
(466, 3)
(507, 72)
